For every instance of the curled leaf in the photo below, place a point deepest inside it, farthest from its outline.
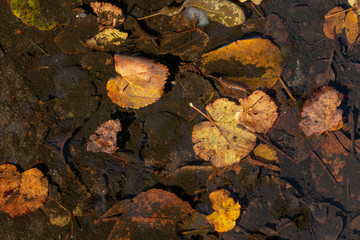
(258, 112)
(140, 83)
(21, 193)
(321, 113)
(252, 62)
(226, 211)
(224, 143)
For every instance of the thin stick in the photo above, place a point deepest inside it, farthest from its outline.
(257, 11)
(330, 61)
(286, 89)
(37, 46)
(38, 142)
(337, 13)
(206, 116)
(323, 164)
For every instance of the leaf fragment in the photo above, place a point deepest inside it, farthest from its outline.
(252, 62)
(140, 83)
(258, 112)
(321, 113)
(225, 143)
(108, 14)
(226, 211)
(21, 193)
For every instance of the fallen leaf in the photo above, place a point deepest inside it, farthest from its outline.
(57, 214)
(140, 83)
(258, 112)
(226, 211)
(108, 14)
(263, 151)
(321, 113)
(224, 12)
(225, 143)
(21, 193)
(153, 213)
(107, 40)
(256, 2)
(104, 138)
(339, 21)
(40, 14)
(252, 62)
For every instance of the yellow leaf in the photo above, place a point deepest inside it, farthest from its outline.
(225, 143)
(107, 40)
(140, 83)
(263, 151)
(253, 62)
(226, 211)
(351, 27)
(258, 112)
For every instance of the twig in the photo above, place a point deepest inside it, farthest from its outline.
(323, 164)
(286, 89)
(337, 13)
(37, 46)
(257, 11)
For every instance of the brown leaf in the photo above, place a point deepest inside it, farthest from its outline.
(321, 113)
(104, 138)
(108, 14)
(152, 213)
(258, 112)
(140, 83)
(21, 193)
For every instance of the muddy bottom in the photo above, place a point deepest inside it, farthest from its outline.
(53, 97)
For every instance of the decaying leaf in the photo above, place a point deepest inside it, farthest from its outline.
(152, 213)
(140, 83)
(321, 113)
(107, 40)
(226, 211)
(258, 112)
(57, 214)
(104, 138)
(108, 14)
(21, 193)
(252, 62)
(339, 21)
(40, 14)
(224, 12)
(225, 143)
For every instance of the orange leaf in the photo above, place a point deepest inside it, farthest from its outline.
(258, 112)
(21, 193)
(141, 81)
(321, 113)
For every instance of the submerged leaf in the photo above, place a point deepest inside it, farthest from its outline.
(140, 83)
(226, 211)
(321, 113)
(252, 62)
(224, 12)
(108, 14)
(225, 143)
(104, 138)
(42, 14)
(21, 193)
(108, 40)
